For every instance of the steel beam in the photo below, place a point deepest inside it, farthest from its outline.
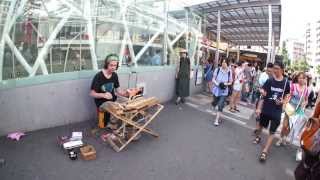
(47, 45)
(236, 6)
(270, 34)
(87, 14)
(238, 26)
(218, 40)
(17, 53)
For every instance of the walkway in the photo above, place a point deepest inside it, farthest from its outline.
(189, 148)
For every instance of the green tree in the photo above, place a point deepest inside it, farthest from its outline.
(318, 69)
(300, 65)
(284, 53)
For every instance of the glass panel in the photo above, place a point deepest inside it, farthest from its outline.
(69, 50)
(151, 57)
(146, 22)
(109, 39)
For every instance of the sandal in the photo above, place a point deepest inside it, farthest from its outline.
(257, 140)
(263, 157)
(232, 110)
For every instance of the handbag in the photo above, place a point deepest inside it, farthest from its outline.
(289, 109)
(310, 138)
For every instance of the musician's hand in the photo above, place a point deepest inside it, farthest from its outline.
(107, 95)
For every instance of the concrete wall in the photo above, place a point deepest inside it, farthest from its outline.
(60, 103)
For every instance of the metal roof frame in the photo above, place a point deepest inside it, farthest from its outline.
(243, 22)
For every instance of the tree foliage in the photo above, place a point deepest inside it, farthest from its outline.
(318, 69)
(284, 53)
(300, 65)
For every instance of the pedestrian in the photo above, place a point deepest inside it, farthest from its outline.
(222, 79)
(268, 73)
(298, 99)
(237, 87)
(255, 84)
(208, 73)
(274, 92)
(245, 85)
(183, 77)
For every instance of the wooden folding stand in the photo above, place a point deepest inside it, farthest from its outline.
(134, 114)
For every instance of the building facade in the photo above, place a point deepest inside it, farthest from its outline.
(296, 49)
(312, 40)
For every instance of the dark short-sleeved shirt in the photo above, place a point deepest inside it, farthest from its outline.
(100, 84)
(275, 90)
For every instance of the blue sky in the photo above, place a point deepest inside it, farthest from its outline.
(296, 14)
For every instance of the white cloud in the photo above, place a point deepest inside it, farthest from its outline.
(296, 14)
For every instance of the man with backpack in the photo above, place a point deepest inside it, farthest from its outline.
(222, 79)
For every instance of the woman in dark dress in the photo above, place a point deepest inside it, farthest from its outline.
(183, 77)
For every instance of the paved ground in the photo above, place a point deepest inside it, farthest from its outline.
(189, 147)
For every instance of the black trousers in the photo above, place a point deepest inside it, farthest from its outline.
(308, 168)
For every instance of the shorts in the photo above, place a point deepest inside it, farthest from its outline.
(220, 101)
(265, 120)
(237, 87)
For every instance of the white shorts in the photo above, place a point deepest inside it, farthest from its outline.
(237, 86)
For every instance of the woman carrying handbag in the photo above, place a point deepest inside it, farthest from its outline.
(294, 118)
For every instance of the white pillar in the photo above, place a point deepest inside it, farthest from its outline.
(187, 33)
(227, 50)
(44, 51)
(218, 39)
(270, 35)
(91, 35)
(273, 52)
(165, 33)
(238, 53)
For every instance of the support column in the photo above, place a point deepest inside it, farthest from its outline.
(273, 51)
(270, 34)
(227, 50)
(165, 33)
(218, 39)
(238, 53)
(91, 35)
(188, 29)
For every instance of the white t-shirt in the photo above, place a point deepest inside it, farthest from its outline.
(238, 79)
(263, 78)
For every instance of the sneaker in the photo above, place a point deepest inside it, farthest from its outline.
(299, 155)
(178, 100)
(183, 100)
(2, 162)
(279, 142)
(216, 123)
